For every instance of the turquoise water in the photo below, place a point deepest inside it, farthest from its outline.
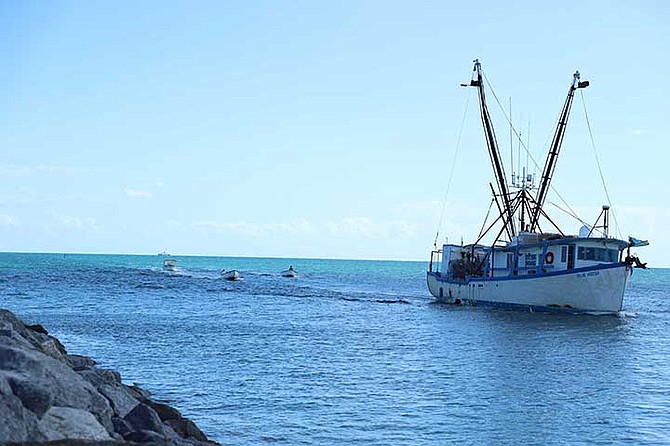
(354, 352)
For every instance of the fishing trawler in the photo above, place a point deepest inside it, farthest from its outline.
(531, 263)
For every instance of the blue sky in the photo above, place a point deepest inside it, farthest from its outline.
(314, 129)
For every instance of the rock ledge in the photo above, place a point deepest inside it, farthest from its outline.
(50, 397)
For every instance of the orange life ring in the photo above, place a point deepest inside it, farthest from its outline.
(549, 258)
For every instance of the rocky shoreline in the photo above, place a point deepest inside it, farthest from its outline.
(50, 396)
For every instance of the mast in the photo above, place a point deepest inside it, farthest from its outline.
(494, 153)
(552, 156)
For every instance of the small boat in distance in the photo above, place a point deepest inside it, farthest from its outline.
(529, 262)
(290, 272)
(170, 264)
(231, 274)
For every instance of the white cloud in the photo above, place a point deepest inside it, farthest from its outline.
(367, 228)
(7, 220)
(33, 168)
(66, 221)
(136, 193)
(357, 227)
(256, 229)
(431, 206)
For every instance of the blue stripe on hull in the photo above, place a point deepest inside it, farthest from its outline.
(530, 308)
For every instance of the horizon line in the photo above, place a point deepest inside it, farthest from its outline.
(210, 255)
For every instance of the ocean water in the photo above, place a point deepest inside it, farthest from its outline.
(354, 352)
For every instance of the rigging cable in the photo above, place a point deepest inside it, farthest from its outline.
(451, 173)
(481, 231)
(570, 213)
(528, 154)
(602, 178)
(509, 121)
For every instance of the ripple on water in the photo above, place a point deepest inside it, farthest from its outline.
(336, 357)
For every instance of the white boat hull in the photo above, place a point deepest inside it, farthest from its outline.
(231, 275)
(593, 289)
(170, 265)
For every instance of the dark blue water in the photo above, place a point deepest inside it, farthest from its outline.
(354, 352)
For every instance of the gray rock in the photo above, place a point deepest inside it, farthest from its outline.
(45, 343)
(6, 329)
(144, 436)
(46, 394)
(11, 337)
(16, 423)
(66, 423)
(53, 348)
(66, 386)
(139, 393)
(186, 428)
(121, 426)
(33, 397)
(164, 411)
(38, 328)
(119, 396)
(80, 442)
(110, 376)
(171, 417)
(143, 417)
(79, 362)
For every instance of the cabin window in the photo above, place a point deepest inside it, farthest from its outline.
(564, 254)
(586, 253)
(598, 254)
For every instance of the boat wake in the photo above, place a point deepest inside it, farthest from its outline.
(627, 314)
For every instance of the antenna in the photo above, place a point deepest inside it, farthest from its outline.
(511, 143)
(518, 156)
(532, 176)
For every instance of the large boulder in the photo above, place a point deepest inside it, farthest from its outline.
(186, 428)
(61, 423)
(36, 399)
(143, 417)
(50, 382)
(108, 383)
(16, 422)
(164, 411)
(79, 362)
(181, 425)
(34, 334)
